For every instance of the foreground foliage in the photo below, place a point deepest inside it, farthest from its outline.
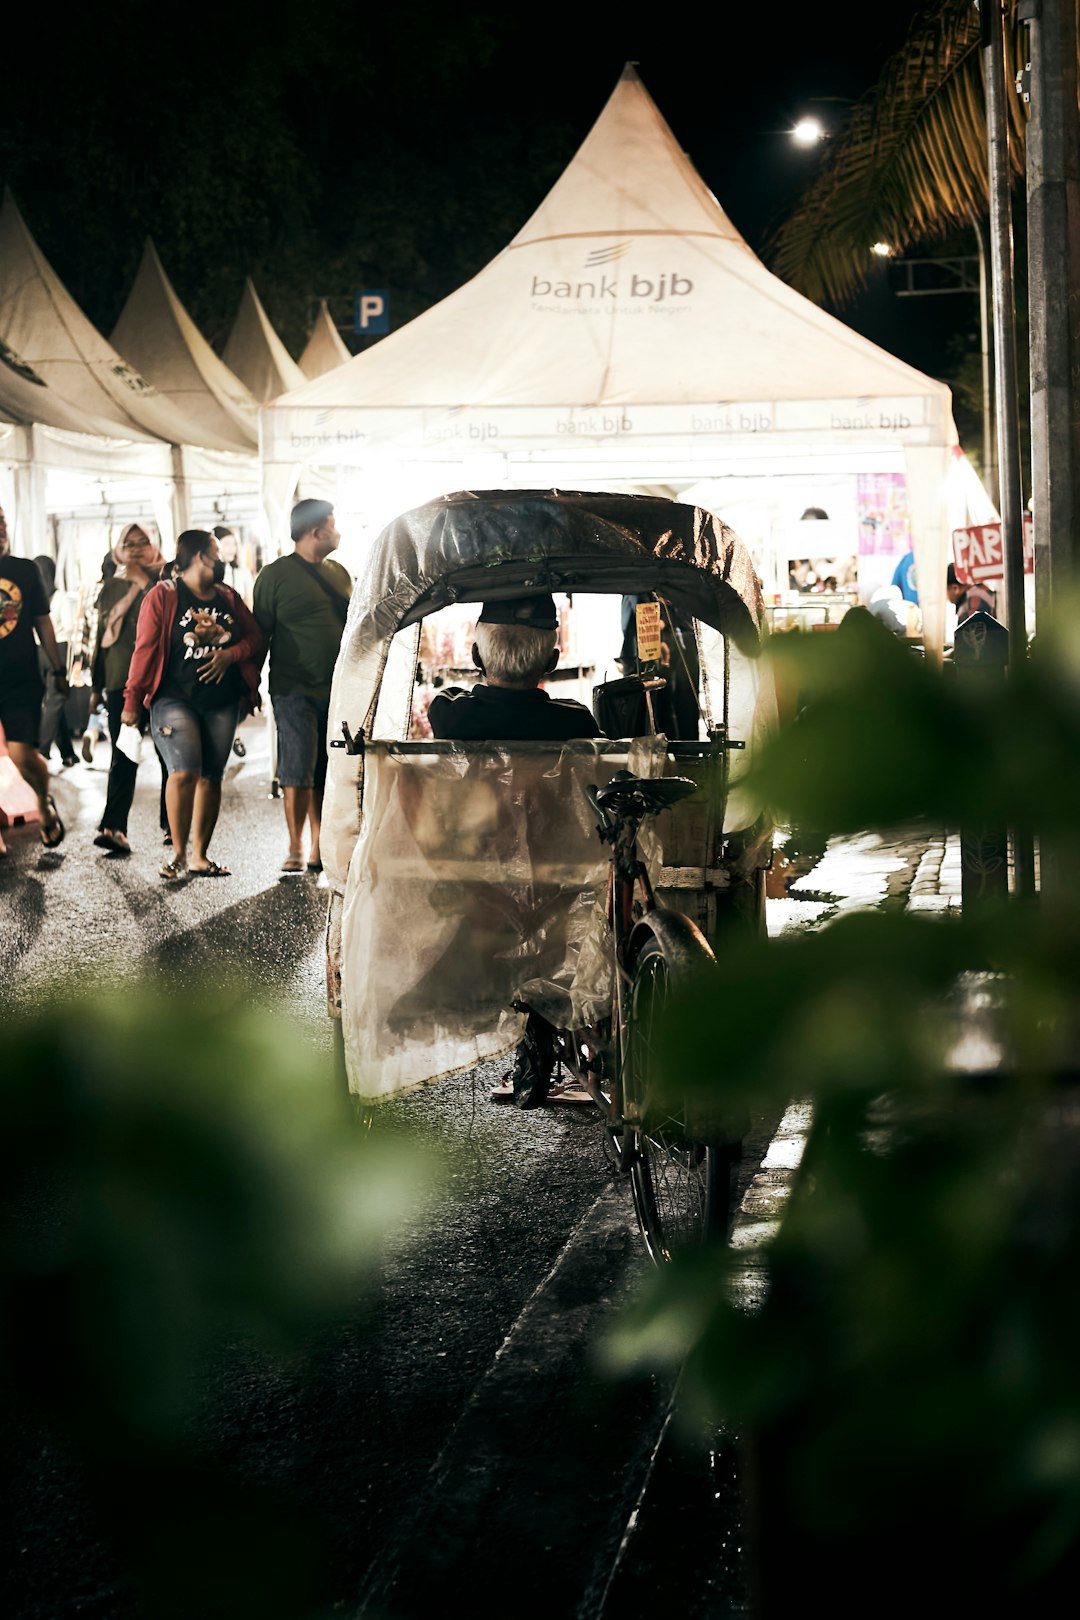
(907, 1390)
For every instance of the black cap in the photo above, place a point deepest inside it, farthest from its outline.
(534, 612)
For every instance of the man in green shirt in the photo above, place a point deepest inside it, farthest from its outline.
(301, 602)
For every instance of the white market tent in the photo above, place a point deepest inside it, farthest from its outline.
(325, 349)
(256, 355)
(156, 334)
(83, 433)
(83, 429)
(627, 338)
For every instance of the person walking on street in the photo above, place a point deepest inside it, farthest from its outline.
(24, 624)
(301, 602)
(54, 725)
(139, 564)
(237, 573)
(196, 664)
(973, 597)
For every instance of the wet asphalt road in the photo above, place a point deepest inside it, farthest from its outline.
(372, 1438)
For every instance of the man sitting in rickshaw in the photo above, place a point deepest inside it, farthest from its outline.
(516, 646)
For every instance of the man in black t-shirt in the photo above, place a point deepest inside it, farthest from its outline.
(515, 647)
(25, 621)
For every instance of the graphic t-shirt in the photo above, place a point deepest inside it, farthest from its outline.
(904, 576)
(22, 600)
(199, 628)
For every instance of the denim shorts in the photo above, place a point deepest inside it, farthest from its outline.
(190, 741)
(20, 711)
(301, 740)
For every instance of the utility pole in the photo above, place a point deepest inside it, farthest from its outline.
(1053, 211)
(1052, 148)
(990, 473)
(1010, 482)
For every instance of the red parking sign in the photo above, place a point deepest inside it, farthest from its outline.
(978, 553)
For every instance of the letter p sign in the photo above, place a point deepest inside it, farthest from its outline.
(371, 313)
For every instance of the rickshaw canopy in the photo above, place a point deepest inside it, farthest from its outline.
(471, 874)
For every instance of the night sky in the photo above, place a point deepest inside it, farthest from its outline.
(321, 149)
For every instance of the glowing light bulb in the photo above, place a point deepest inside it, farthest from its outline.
(808, 131)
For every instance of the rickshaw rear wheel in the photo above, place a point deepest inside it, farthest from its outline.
(682, 1187)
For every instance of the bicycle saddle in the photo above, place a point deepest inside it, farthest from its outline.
(655, 793)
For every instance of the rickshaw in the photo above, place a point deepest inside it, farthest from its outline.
(475, 886)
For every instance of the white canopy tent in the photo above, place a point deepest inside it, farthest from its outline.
(256, 355)
(84, 436)
(325, 349)
(156, 334)
(83, 428)
(626, 339)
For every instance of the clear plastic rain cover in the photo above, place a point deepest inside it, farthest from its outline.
(478, 878)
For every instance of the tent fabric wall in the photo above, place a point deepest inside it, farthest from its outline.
(156, 333)
(256, 355)
(325, 349)
(626, 336)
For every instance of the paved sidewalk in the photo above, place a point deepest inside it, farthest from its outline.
(909, 869)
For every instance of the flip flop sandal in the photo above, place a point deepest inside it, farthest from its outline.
(314, 866)
(53, 821)
(117, 842)
(570, 1092)
(211, 869)
(173, 871)
(293, 863)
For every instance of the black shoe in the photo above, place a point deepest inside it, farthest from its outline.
(533, 1063)
(238, 748)
(68, 760)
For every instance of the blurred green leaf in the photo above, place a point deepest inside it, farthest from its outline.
(911, 1360)
(173, 1171)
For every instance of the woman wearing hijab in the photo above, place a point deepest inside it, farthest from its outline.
(196, 666)
(138, 567)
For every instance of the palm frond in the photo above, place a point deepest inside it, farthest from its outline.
(910, 162)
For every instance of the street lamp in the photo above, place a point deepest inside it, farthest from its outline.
(808, 132)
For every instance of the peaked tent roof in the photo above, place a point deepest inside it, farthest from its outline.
(46, 332)
(627, 325)
(256, 354)
(156, 333)
(628, 286)
(325, 349)
(26, 398)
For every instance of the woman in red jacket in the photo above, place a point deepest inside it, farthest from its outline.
(198, 653)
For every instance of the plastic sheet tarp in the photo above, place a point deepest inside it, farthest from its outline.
(478, 877)
(476, 546)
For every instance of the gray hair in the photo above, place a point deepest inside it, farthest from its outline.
(515, 652)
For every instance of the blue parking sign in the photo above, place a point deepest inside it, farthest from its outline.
(371, 312)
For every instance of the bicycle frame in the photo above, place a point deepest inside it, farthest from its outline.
(627, 878)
